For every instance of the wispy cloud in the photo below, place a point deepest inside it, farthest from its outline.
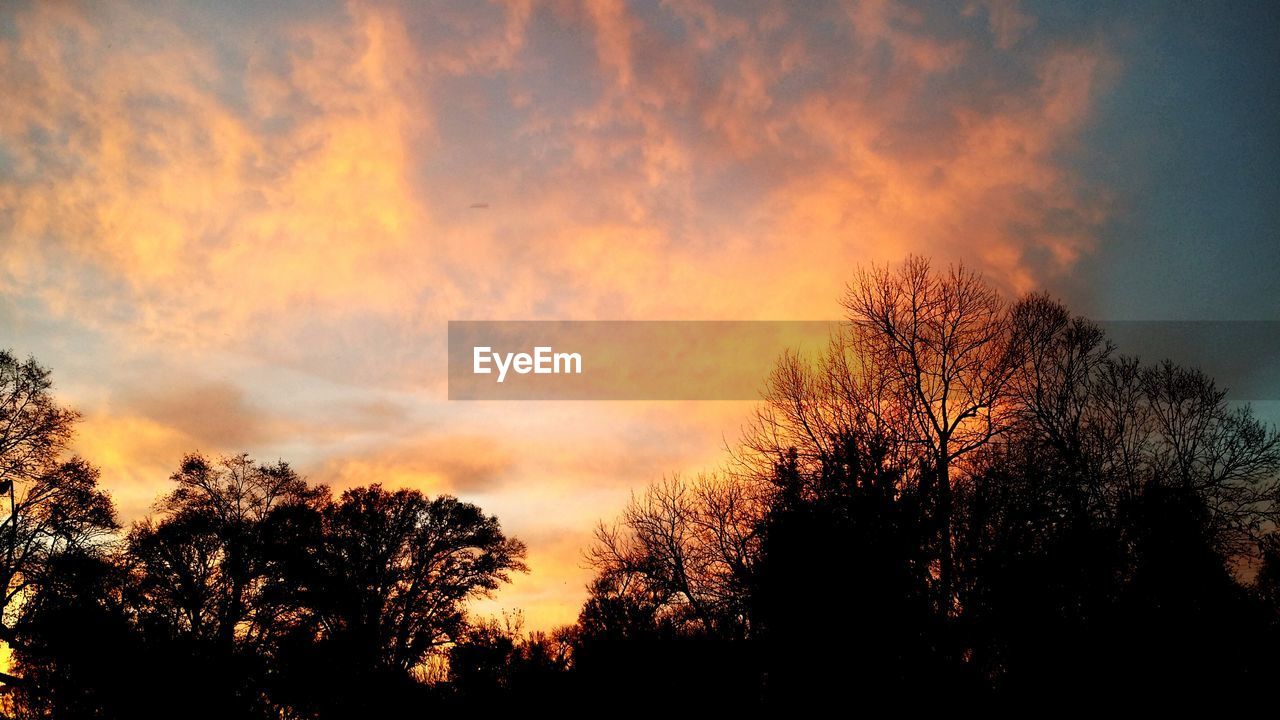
(313, 195)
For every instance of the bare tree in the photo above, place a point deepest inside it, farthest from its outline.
(689, 545)
(942, 344)
(1122, 426)
(812, 405)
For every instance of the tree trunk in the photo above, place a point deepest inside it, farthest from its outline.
(945, 558)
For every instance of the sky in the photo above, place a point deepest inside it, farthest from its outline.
(236, 227)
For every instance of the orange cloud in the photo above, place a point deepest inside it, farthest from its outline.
(280, 215)
(136, 457)
(208, 218)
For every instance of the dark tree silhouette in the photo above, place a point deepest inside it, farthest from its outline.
(963, 499)
(689, 547)
(201, 569)
(411, 561)
(255, 594)
(497, 665)
(51, 506)
(946, 348)
(383, 588)
(200, 574)
(1100, 536)
(841, 599)
(79, 646)
(34, 429)
(1090, 522)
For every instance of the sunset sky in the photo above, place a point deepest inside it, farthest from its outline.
(233, 227)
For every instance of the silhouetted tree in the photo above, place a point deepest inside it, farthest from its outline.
(52, 506)
(201, 568)
(61, 510)
(1071, 525)
(841, 599)
(84, 656)
(495, 664)
(960, 497)
(384, 588)
(34, 428)
(946, 348)
(199, 573)
(689, 546)
(408, 563)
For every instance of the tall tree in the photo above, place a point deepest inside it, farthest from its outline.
(51, 505)
(944, 345)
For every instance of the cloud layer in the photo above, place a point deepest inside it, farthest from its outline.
(265, 218)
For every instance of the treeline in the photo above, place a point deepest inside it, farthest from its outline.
(961, 500)
(249, 594)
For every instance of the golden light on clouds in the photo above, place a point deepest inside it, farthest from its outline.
(285, 209)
